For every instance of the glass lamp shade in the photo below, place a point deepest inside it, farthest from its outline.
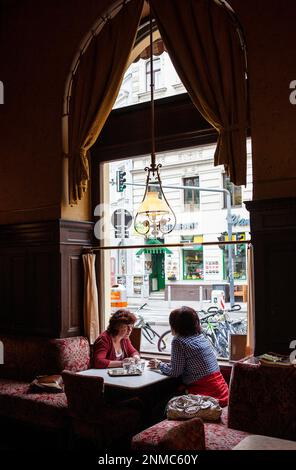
(154, 216)
(153, 206)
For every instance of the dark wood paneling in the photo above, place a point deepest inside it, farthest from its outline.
(127, 131)
(41, 277)
(74, 236)
(273, 228)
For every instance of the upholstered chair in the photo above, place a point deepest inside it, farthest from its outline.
(95, 422)
(171, 435)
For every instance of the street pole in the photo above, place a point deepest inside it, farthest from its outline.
(230, 249)
(229, 225)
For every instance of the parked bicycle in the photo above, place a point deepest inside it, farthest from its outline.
(216, 326)
(148, 332)
(222, 326)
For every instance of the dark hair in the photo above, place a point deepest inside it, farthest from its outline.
(185, 321)
(120, 317)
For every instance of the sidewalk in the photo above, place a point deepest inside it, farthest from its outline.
(158, 310)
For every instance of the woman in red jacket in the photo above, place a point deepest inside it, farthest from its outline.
(114, 345)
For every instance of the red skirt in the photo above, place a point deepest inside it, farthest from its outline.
(212, 385)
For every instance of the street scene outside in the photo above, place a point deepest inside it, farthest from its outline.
(194, 273)
(156, 313)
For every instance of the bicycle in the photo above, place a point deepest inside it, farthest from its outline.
(216, 331)
(227, 326)
(231, 326)
(148, 332)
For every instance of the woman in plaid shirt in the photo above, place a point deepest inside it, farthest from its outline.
(193, 358)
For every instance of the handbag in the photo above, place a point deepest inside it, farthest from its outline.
(192, 406)
(47, 383)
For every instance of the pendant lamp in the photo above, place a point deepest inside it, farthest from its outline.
(155, 216)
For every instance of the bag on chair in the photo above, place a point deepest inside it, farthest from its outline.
(193, 406)
(47, 383)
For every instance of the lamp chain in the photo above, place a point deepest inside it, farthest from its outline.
(153, 163)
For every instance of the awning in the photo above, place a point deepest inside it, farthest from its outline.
(152, 249)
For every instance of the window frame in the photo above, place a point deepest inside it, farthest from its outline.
(187, 205)
(156, 80)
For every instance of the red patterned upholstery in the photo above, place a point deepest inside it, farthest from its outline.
(262, 400)
(92, 418)
(171, 435)
(24, 359)
(220, 437)
(47, 409)
(193, 434)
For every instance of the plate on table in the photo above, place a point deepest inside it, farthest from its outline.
(122, 372)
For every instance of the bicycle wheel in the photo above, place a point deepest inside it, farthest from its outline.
(222, 346)
(218, 342)
(164, 341)
(147, 335)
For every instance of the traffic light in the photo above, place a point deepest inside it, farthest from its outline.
(222, 238)
(120, 181)
(241, 249)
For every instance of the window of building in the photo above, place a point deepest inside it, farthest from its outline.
(156, 74)
(235, 192)
(191, 197)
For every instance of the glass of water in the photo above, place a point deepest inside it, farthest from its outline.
(126, 365)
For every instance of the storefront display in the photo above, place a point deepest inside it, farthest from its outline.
(193, 264)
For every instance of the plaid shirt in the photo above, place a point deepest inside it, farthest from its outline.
(192, 358)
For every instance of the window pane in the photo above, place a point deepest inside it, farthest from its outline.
(166, 278)
(191, 197)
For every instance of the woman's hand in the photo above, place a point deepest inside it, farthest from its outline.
(154, 363)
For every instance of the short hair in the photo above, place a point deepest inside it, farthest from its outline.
(120, 317)
(185, 321)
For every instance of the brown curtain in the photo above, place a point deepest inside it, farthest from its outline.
(91, 306)
(205, 49)
(94, 90)
(250, 347)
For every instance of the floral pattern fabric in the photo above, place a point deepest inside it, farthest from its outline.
(24, 359)
(171, 435)
(262, 400)
(193, 434)
(46, 409)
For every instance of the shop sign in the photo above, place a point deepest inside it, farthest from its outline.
(186, 226)
(237, 220)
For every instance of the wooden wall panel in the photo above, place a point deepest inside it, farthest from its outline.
(273, 228)
(41, 277)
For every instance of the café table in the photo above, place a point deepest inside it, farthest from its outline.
(152, 387)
